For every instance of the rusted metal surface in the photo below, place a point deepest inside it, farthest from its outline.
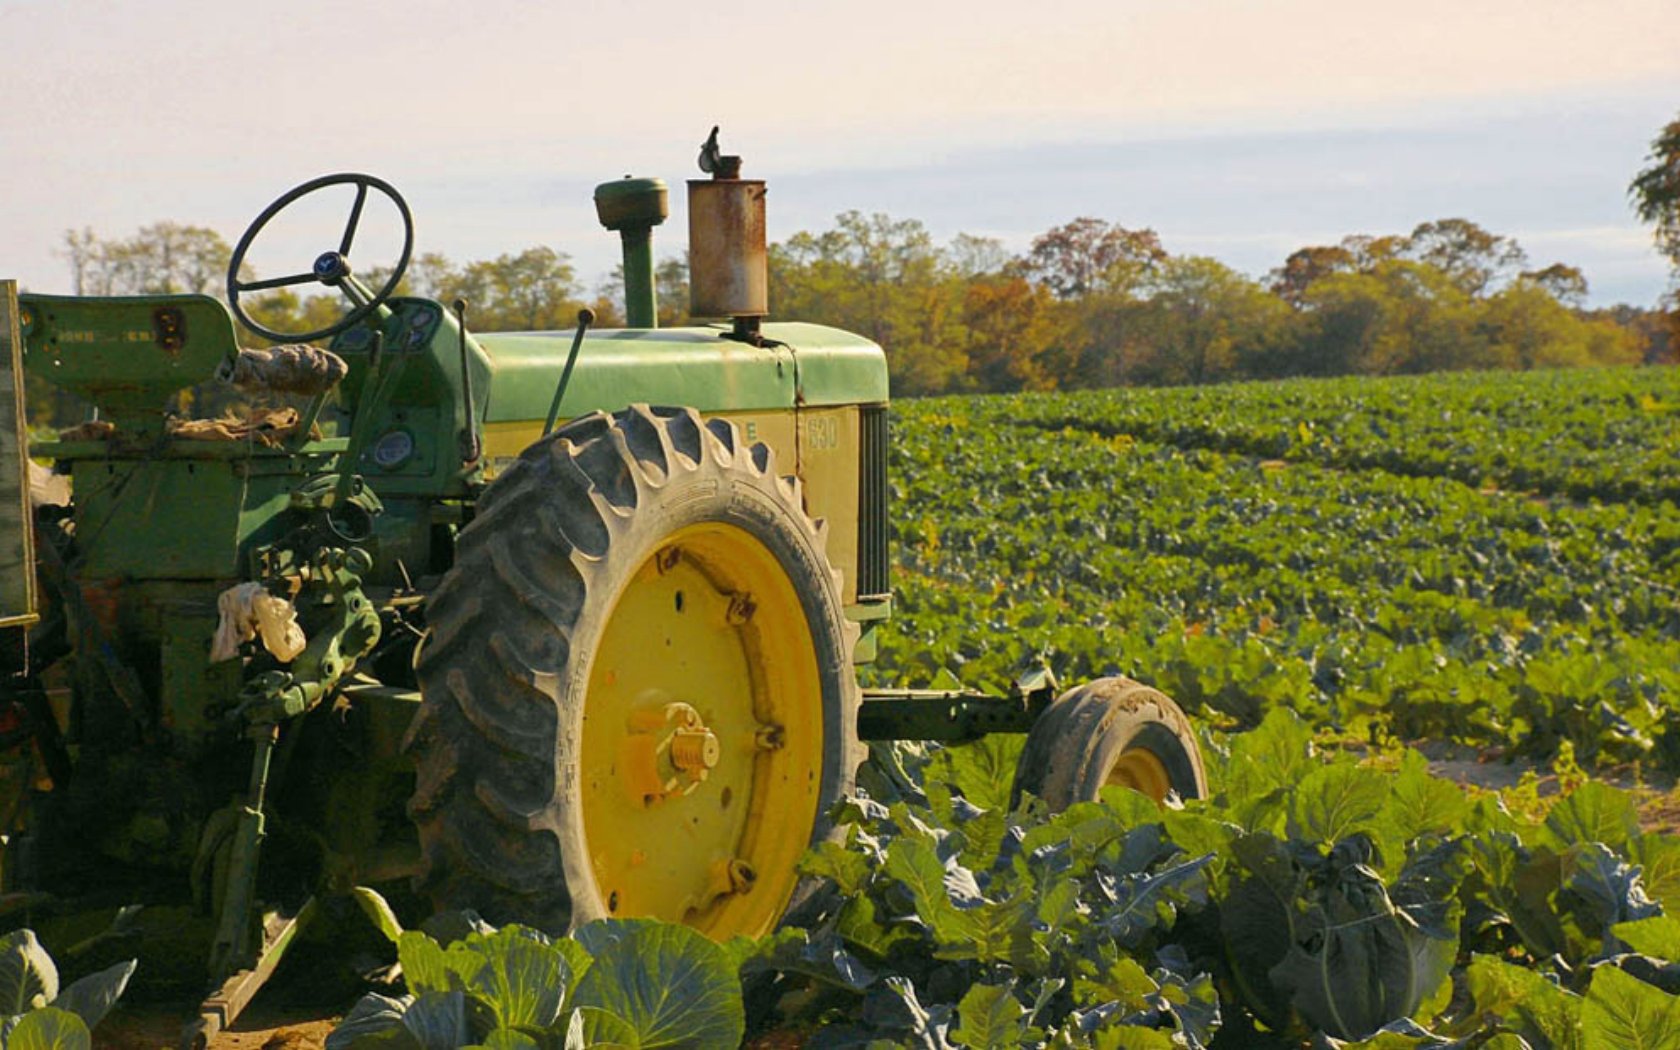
(225, 1004)
(728, 262)
(17, 583)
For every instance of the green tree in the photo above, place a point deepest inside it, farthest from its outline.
(885, 279)
(670, 283)
(1344, 318)
(533, 290)
(1206, 321)
(1402, 317)
(163, 258)
(429, 273)
(1526, 327)
(1656, 191)
(670, 286)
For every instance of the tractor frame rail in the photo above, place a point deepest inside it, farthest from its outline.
(949, 715)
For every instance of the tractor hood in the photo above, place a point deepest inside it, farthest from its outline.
(800, 364)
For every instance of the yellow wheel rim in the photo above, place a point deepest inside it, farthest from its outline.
(1142, 771)
(701, 752)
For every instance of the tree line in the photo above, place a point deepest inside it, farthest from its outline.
(1094, 303)
(1088, 303)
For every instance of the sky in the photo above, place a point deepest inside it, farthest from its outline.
(1240, 129)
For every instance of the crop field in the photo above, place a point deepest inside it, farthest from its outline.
(1487, 558)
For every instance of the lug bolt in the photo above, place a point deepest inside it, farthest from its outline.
(741, 876)
(741, 609)
(667, 559)
(770, 737)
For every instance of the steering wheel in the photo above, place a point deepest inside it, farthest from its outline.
(331, 268)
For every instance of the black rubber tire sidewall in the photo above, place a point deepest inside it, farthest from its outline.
(1076, 741)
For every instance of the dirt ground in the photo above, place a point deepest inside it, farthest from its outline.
(312, 988)
(1658, 796)
(153, 1027)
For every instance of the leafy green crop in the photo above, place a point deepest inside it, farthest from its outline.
(624, 983)
(1448, 599)
(36, 1013)
(1312, 896)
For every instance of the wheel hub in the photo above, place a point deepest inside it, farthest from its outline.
(1142, 771)
(669, 751)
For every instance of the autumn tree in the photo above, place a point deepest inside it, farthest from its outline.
(1015, 332)
(1089, 255)
(1355, 253)
(1368, 252)
(1471, 256)
(1305, 266)
(1089, 303)
(1565, 283)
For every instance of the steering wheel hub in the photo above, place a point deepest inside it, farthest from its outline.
(331, 267)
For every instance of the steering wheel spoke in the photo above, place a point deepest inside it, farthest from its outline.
(276, 282)
(333, 276)
(355, 218)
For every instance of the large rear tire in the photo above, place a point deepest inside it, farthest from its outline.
(1112, 732)
(638, 693)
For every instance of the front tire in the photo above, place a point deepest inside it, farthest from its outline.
(1112, 732)
(638, 694)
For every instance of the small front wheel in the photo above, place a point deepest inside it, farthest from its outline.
(1110, 732)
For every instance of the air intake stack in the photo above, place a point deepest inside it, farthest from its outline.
(728, 263)
(634, 207)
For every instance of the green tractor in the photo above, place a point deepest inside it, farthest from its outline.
(466, 611)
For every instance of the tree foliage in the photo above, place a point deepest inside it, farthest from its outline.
(1093, 304)
(162, 258)
(1089, 303)
(1656, 191)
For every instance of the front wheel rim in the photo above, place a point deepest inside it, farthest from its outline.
(702, 739)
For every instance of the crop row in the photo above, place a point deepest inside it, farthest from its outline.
(1423, 605)
(1609, 434)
